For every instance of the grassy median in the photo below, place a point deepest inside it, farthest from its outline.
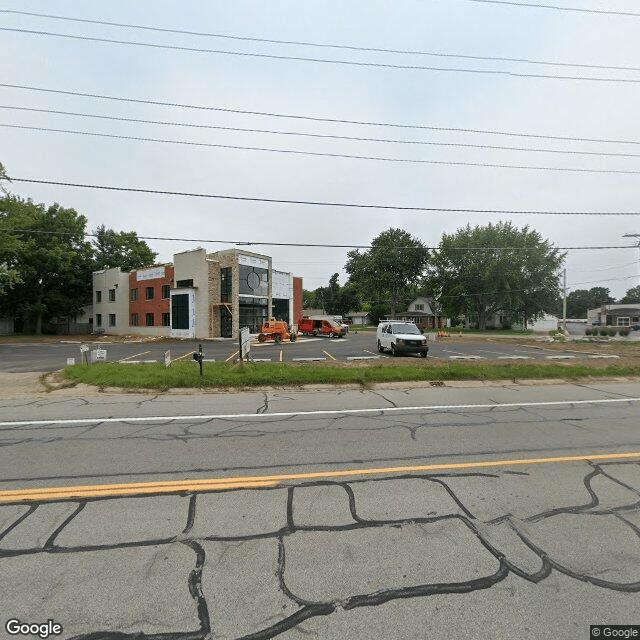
(223, 375)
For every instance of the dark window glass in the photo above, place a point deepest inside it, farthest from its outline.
(166, 319)
(135, 320)
(254, 281)
(149, 319)
(166, 291)
(112, 295)
(98, 296)
(180, 311)
(112, 319)
(134, 295)
(98, 319)
(184, 284)
(225, 284)
(150, 293)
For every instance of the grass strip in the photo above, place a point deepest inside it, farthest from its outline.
(221, 374)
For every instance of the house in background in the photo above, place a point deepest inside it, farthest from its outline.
(424, 313)
(359, 317)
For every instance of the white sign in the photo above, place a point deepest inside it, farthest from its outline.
(84, 348)
(167, 358)
(99, 355)
(282, 285)
(245, 342)
(250, 261)
(71, 362)
(150, 274)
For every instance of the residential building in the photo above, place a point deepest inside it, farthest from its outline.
(111, 301)
(423, 312)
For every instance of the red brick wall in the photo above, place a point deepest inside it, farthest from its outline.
(142, 306)
(297, 299)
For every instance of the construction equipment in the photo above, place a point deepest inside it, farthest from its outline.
(277, 331)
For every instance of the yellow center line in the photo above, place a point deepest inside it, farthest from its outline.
(249, 482)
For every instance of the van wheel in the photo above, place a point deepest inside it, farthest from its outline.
(423, 354)
(332, 335)
(315, 333)
(262, 337)
(380, 347)
(393, 350)
(294, 337)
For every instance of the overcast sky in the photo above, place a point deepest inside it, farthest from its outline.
(498, 102)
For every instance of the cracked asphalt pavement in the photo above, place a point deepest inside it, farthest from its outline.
(475, 511)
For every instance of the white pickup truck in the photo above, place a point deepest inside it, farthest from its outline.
(401, 337)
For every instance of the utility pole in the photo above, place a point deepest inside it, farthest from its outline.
(564, 302)
(634, 235)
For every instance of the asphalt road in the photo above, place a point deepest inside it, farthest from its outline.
(469, 512)
(51, 356)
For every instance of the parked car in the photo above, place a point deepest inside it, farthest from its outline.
(401, 337)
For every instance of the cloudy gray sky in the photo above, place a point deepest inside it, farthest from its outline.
(431, 99)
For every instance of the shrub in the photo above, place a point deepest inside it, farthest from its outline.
(604, 332)
(612, 332)
(587, 332)
(624, 332)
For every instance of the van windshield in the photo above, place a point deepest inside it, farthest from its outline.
(406, 328)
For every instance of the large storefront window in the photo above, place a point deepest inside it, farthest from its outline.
(225, 284)
(253, 313)
(281, 310)
(254, 281)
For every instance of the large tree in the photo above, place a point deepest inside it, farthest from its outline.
(581, 300)
(121, 249)
(389, 271)
(477, 272)
(334, 299)
(632, 296)
(46, 247)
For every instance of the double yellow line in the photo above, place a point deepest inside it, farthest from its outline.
(253, 482)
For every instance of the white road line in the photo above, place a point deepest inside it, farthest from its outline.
(135, 355)
(326, 353)
(324, 412)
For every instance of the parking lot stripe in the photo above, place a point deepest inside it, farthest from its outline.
(133, 356)
(328, 354)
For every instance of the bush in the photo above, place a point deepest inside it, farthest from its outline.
(624, 332)
(587, 332)
(604, 332)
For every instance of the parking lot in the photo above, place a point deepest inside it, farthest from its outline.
(52, 354)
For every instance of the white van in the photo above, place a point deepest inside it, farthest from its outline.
(401, 337)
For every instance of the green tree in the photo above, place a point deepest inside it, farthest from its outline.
(632, 296)
(477, 272)
(581, 300)
(334, 299)
(52, 258)
(121, 249)
(390, 270)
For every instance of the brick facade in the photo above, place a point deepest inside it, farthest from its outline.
(146, 296)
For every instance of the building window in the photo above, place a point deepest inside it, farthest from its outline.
(135, 319)
(98, 296)
(112, 295)
(149, 293)
(149, 319)
(166, 291)
(134, 295)
(624, 322)
(225, 284)
(420, 307)
(98, 319)
(166, 319)
(635, 320)
(112, 319)
(184, 284)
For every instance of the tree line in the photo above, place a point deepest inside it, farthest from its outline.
(473, 274)
(46, 263)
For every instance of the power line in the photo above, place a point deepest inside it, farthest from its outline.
(321, 135)
(316, 245)
(270, 56)
(330, 204)
(322, 154)
(559, 8)
(316, 118)
(322, 45)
